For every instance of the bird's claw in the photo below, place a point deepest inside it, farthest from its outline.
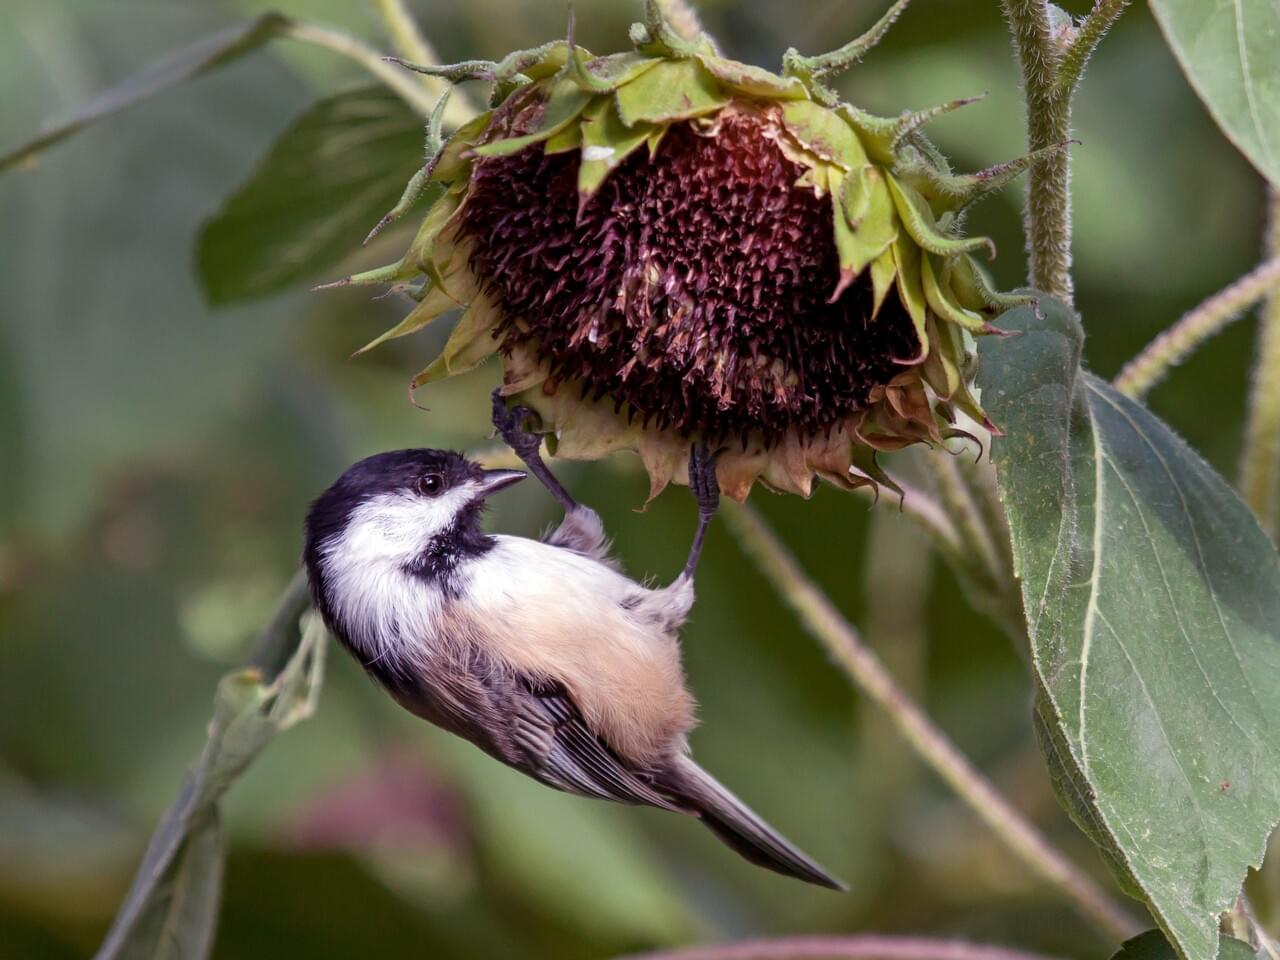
(510, 423)
(702, 478)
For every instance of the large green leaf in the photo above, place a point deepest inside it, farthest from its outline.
(1152, 603)
(1230, 51)
(171, 908)
(328, 179)
(191, 61)
(1152, 945)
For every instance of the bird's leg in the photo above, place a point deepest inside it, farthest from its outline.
(706, 491)
(510, 424)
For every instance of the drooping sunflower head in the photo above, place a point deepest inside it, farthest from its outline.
(666, 246)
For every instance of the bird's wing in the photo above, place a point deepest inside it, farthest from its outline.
(564, 752)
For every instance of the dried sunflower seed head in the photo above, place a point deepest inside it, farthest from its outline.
(666, 244)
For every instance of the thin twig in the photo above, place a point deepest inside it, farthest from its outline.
(1195, 327)
(863, 947)
(1095, 26)
(897, 577)
(842, 642)
(1260, 466)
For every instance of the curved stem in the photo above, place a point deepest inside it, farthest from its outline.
(413, 47)
(1260, 466)
(414, 94)
(926, 510)
(846, 647)
(864, 947)
(405, 36)
(1195, 327)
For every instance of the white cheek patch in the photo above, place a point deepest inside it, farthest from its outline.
(383, 608)
(399, 526)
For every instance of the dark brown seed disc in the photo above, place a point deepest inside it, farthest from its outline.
(692, 287)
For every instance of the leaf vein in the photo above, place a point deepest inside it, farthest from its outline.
(1201, 568)
(1247, 82)
(1164, 733)
(1091, 609)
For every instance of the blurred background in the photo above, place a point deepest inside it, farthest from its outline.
(157, 456)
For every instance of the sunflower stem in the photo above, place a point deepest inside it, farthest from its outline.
(1260, 465)
(1182, 339)
(401, 83)
(928, 512)
(846, 647)
(407, 38)
(1052, 56)
(1047, 217)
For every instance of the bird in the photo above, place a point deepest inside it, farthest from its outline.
(541, 652)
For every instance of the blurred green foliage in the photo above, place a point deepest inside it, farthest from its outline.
(156, 458)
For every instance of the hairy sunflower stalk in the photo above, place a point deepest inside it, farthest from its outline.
(666, 246)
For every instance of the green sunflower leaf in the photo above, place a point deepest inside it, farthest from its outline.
(1152, 945)
(328, 178)
(1231, 54)
(200, 57)
(1152, 601)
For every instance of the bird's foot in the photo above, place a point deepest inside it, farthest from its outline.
(702, 479)
(510, 423)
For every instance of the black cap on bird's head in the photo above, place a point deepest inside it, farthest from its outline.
(397, 505)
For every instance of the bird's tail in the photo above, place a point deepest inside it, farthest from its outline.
(735, 823)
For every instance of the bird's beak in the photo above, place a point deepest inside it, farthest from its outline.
(491, 481)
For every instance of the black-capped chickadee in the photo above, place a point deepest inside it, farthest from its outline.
(540, 652)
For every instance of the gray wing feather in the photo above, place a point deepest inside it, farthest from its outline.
(531, 724)
(564, 752)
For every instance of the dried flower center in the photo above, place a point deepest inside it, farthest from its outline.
(692, 287)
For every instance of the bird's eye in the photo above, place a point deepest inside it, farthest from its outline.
(430, 484)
